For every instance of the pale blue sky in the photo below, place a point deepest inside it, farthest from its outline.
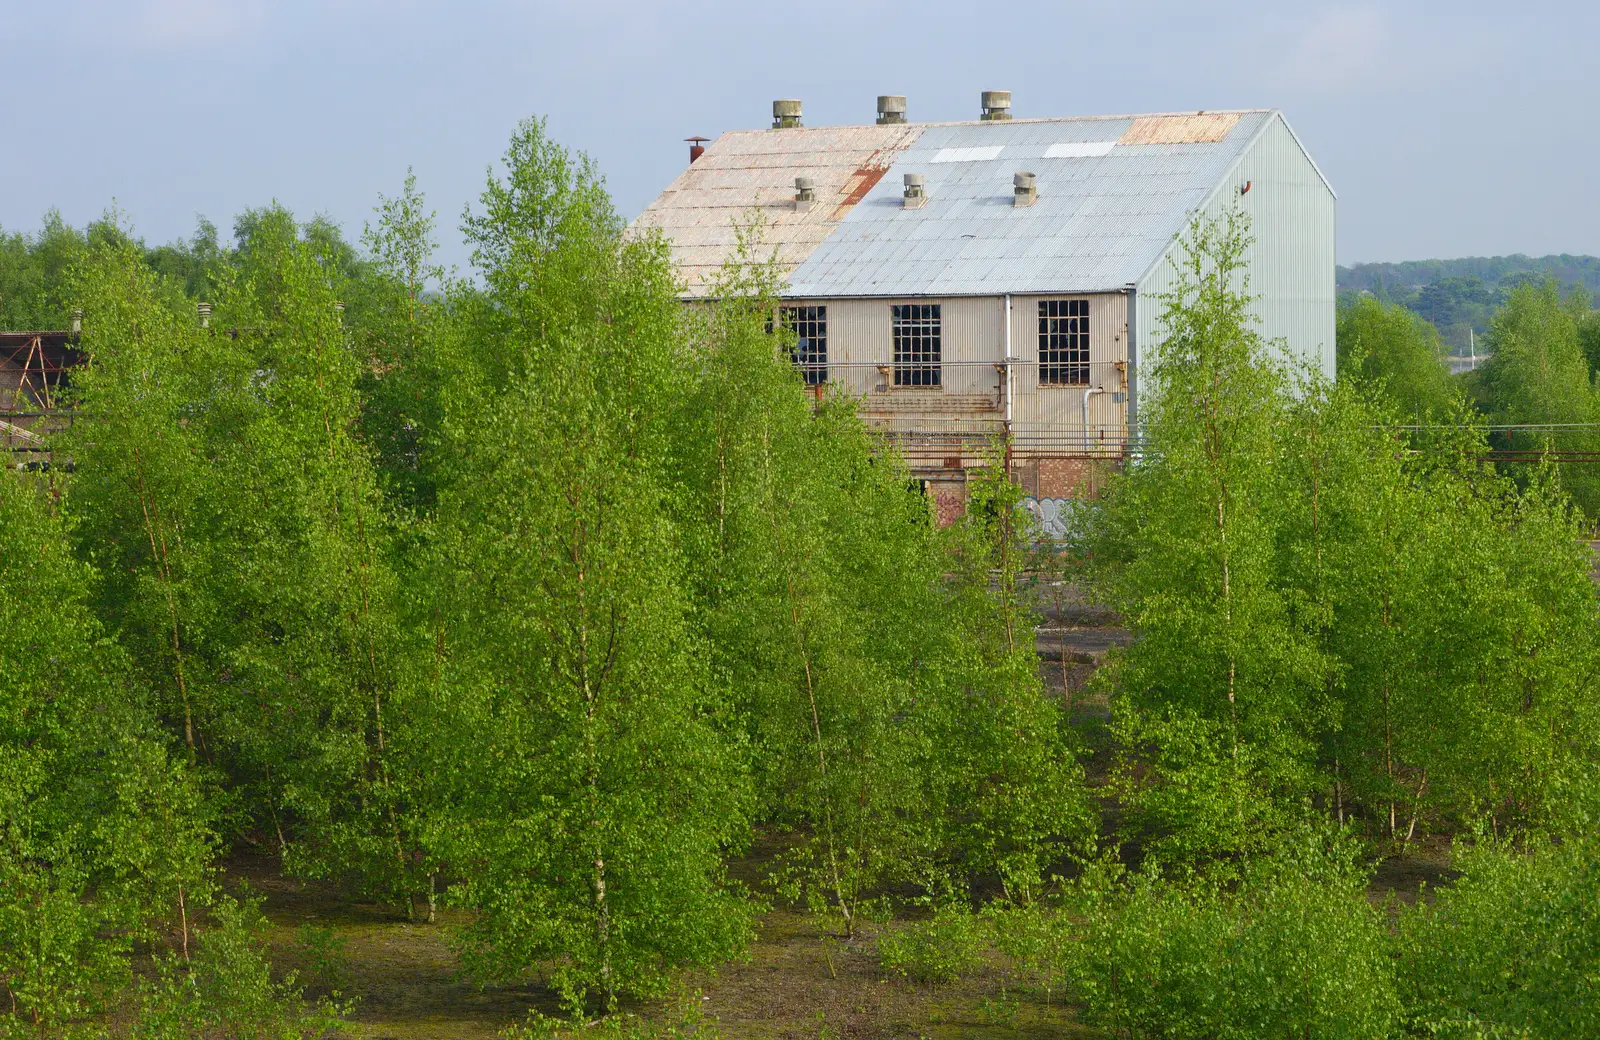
(1448, 128)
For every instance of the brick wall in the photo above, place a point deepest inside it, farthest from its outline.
(1065, 477)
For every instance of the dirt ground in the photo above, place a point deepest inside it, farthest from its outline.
(797, 982)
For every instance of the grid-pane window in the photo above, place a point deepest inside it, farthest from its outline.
(1064, 342)
(916, 344)
(810, 328)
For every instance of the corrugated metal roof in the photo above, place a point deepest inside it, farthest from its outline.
(1113, 191)
(751, 172)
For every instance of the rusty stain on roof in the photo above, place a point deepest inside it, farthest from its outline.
(749, 175)
(1113, 192)
(856, 187)
(1200, 128)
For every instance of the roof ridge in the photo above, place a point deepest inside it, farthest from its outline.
(1007, 122)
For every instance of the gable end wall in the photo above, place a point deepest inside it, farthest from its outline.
(1290, 263)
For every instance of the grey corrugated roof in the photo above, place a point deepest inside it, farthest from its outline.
(1113, 191)
(1099, 223)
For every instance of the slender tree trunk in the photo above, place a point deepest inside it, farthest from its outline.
(183, 916)
(798, 628)
(158, 551)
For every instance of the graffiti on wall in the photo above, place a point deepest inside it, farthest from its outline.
(1056, 516)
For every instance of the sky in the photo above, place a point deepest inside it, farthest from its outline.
(1447, 128)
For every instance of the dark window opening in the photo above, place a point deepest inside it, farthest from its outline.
(916, 344)
(810, 351)
(1064, 342)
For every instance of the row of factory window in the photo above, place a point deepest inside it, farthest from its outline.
(917, 329)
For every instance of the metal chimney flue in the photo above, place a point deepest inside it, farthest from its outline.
(805, 193)
(996, 105)
(1024, 189)
(697, 147)
(786, 113)
(916, 193)
(77, 320)
(891, 109)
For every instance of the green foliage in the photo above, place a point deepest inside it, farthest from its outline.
(226, 989)
(885, 668)
(602, 779)
(1384, 344)
(1292, 950)
(553, 588)
(1329, 614)
(939, 950)
(1540, 374)
(242, 544)
(323, 951)
(1511, 949)
(1226, 686)
(1589, 340)
(1459, 296)
(397, 332)
(103, 839)
(683, 1019)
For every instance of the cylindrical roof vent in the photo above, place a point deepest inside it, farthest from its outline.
(891, 109)
(785, 113)
(77, 320)
(697, 147)
(203, 309)
(916, 193)
(1024, 189)
(996, 104)
(805, 193)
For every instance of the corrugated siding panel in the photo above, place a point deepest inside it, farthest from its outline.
(1048, 420)
(861, 335)
(1290, 263)
(1055, 413)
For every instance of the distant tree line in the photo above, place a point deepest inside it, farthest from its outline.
(1459, 297)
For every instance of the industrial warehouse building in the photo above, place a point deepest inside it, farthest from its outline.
(963, 279)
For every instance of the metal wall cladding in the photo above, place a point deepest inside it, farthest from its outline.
(969, 405)
(1045, 417)
(1290, 262)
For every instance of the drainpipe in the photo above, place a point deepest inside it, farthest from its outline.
(1086, 395)
(1010, 383)
(1133, 364)
(1008, 363)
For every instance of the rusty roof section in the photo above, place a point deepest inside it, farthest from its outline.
(1113, 192)
(1196, 128)
(750, 174)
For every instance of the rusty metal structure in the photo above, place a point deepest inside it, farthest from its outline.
(34, 371)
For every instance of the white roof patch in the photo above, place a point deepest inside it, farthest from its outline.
(983, 154)
(1079, 149)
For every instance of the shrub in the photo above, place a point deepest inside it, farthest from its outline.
(1285, 952)
(1511, 949)
(228, 989)
(322, 950)
(938, 950)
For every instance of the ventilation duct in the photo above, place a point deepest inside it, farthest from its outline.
(916, 194)
(1024, 189)
(996, 105)
(891, 109)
